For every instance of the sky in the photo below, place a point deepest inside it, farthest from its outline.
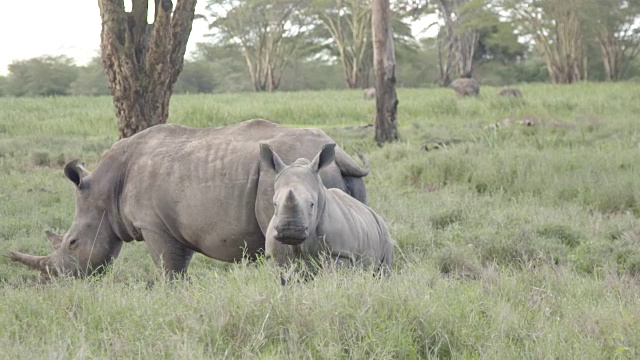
(32, 28)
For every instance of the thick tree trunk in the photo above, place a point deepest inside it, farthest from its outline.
(611, 55)
(466, 44)
(384, 63)
(444, 60)
(142, 61)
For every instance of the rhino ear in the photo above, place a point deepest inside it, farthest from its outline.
(75, 171)
(55, 239)
(270, 159)
(324, 158)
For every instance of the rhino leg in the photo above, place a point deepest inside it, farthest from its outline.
(168, 253)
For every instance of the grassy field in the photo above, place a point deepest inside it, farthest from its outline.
(512, 242)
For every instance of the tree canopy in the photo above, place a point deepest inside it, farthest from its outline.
(268, 45)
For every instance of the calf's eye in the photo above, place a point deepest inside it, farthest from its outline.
(312, 205)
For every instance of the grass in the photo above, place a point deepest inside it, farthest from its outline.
(513, 241)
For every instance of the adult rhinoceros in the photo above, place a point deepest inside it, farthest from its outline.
(181, 190)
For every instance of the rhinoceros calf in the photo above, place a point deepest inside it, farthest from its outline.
(311, 222)
(181, 190)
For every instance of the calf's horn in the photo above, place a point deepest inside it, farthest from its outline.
(290, 200)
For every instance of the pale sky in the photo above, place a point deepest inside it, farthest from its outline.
(31, 28)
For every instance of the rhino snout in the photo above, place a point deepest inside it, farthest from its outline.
(291, 234)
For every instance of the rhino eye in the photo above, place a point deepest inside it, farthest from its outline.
(73, 242)
(312, 205)
(275, 205)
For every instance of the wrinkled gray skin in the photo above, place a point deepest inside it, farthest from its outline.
(466, 87)
(181, 190)
(369, 93)
(311, 222)
(510, 91)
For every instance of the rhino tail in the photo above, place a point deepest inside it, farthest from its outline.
(355, 188)
(348, 167)
(390, 245)
(385, 263)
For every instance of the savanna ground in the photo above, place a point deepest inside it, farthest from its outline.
(516, 242)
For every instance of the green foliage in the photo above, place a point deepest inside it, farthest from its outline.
(269, 32)
(500, 43)
(296, 43)
(197, 77)
(91, 80)
(229, 74)
(573, 35)
(43, 76)
(3, 85)
(312, 75)
(417, 65)
(512, 242)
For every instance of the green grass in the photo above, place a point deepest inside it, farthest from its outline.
(515, 242)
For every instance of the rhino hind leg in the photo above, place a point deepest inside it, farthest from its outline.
(168, 254)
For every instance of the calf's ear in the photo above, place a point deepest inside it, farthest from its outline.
(324, 158)
(270, 159)
(75, 171)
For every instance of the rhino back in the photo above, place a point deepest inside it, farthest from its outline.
(205, 188)
(354, 228)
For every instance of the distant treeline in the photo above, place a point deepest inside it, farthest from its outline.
(59, 76)
(269, 45)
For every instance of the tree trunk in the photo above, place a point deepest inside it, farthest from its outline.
(611, 56)
(384, 63)
(444, 61)
(142, 61)
(466, 44)
(351, 38)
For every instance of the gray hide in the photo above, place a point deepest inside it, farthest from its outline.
(311, 220)
(466, 87)
(369, 93)
(510, 91)
(181, 190)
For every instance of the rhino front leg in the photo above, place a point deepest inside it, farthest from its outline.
(337, 260)
(168, 253)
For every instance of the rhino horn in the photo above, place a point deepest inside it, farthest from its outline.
(55, 239)
(37, 262)
(290, 200)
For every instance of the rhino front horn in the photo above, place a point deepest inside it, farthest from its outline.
(36, 262)
(290, 200)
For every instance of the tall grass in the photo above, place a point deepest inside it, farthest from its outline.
(513, 241)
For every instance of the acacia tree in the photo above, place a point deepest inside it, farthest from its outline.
(41, 76)
(268, 31)
(142, 61)
(616, 33)
(348, 23)
(557, 29)
(384, 63)
(462, 23)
